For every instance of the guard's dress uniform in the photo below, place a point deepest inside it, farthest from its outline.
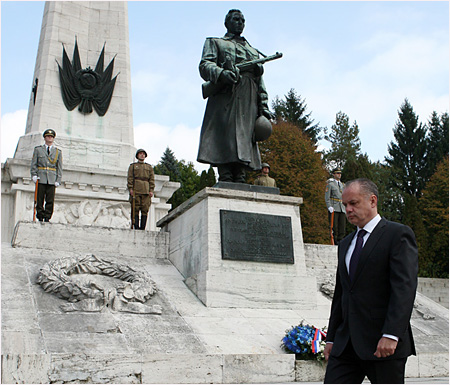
(265, 180)
(141, 179)
(333, 198)
(48, 168)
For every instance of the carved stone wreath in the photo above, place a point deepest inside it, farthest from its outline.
(130, 295)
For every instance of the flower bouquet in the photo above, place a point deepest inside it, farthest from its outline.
(306, 341)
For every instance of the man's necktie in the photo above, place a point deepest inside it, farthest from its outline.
(48, 150)
(356, 253)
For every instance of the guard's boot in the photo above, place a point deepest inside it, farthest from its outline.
(143, 222)
(136, 222)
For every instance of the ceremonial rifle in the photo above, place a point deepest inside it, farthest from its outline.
(35, 199)
(331, 228)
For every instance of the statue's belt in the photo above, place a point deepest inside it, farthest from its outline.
(47, 168)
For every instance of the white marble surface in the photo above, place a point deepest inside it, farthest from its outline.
(195, 250)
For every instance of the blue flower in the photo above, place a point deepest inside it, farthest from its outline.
(299, 340)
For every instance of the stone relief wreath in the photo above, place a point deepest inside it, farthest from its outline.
(72, 279)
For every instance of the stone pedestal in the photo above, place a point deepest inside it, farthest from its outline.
(196, 251)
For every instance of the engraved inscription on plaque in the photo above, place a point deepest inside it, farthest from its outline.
(256, 237)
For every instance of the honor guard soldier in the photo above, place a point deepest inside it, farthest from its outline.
(336, 210)
(264, 179)
(140, 183)
(46, 172)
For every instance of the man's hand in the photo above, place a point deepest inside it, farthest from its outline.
(150, 194)
(35, 178)
(386, 347)
(330, 209)
(228, 77)
(327, 350)
(131, 192)
(56, 184)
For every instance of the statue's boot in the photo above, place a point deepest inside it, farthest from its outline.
(143, 222)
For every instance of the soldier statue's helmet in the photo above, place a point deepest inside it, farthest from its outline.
(263, 128)
(49, 132)
(336, 170)
(141, 150)
(265, 165)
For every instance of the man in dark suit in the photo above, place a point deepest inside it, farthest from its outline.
(369, 332)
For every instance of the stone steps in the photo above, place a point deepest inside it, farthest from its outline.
(101, 241)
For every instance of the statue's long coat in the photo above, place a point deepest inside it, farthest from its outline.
(227, 130)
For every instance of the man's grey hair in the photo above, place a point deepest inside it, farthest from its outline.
(366, 185)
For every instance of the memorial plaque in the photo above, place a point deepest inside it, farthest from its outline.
(256, 237)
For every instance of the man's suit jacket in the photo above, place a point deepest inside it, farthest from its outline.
(47, 167)
(380, 299)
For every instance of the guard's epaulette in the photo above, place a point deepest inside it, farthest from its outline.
(330, 180)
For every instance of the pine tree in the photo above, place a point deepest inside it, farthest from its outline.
(437, 140)
(345, 142)
(390, 200)
(412, 217)
(178, 171)
(408, 153)
(168, 165)
(359, 167)
(207, 179)
(293, 110)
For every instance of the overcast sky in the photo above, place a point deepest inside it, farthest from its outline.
(361, 58)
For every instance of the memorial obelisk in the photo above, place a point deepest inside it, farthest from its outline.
(81, 88)
(85, 138)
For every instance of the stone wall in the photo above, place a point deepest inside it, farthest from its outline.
(321, 260)
(435, 289)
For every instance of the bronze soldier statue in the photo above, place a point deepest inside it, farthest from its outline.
(140, 183)
(236, 98)
(46, 172)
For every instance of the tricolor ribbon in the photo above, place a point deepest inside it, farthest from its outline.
(318, 336)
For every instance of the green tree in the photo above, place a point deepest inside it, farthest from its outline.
(297, 168)
(407, 155)
(412, 217)
(434, 208)
(168, 165)
(437, 140)
(358, 167)
(293, 110)
(179, 171)
(207, 179)
(345, 142)
(390, 200)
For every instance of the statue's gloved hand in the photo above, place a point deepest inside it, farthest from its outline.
(258, 70)
(228, 77)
